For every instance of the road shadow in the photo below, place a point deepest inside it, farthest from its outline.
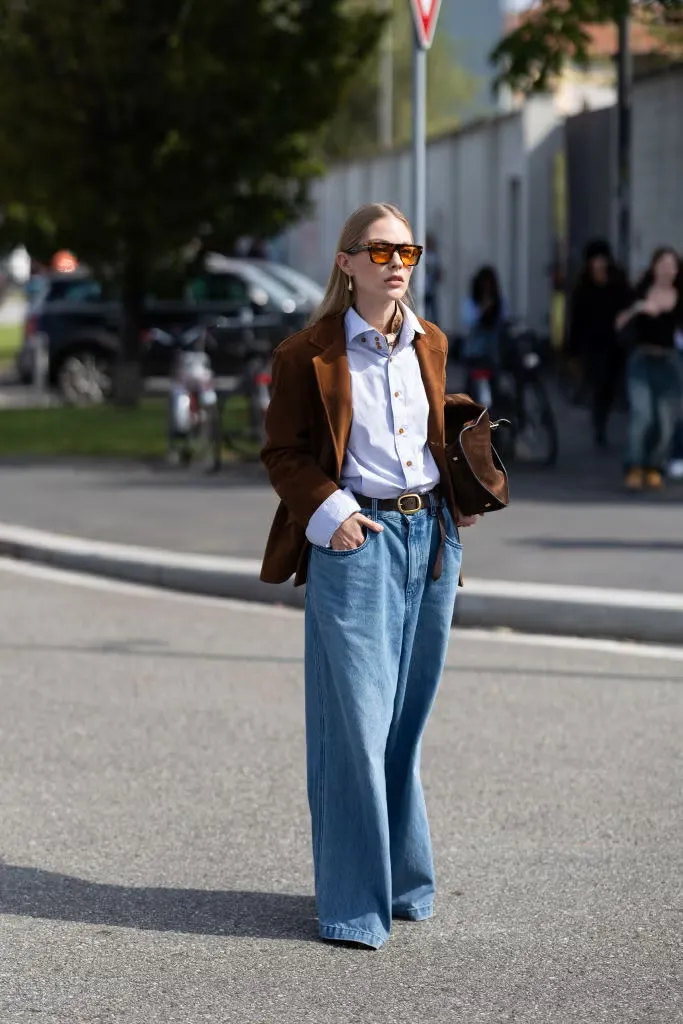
(598, 544)
(50, 896)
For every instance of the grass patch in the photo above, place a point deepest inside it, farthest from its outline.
(10, 340)
(101, 431)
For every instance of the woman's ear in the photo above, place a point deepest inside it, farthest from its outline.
(344, 262)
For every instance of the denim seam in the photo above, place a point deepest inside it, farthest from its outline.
(321, 777)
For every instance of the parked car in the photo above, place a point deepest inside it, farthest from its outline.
(79, 324)
(304, 288)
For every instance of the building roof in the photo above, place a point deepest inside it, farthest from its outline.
(604, 38)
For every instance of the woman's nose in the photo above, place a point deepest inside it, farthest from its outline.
(396, 261)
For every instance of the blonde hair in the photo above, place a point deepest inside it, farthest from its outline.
(338, 298)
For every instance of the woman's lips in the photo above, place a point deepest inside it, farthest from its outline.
(394, 279)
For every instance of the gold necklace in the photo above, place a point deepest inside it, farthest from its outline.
(396, 325)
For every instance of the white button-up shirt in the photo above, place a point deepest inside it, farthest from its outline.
(387, 453)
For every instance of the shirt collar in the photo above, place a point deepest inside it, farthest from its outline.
(355, 326)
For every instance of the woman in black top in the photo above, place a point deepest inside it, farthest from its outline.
(602, 292)
(654, 383)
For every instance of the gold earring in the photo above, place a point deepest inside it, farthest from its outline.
(350, 284)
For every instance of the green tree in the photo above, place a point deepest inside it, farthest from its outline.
(129, 129)
(450, 89)
(555, 32)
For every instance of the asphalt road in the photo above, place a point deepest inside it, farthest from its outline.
(154, 849)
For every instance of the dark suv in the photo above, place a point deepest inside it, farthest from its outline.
(79, 324)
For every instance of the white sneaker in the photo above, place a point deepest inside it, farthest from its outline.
(676, 469)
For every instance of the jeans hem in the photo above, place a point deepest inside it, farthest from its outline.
(422, 913)
(351, 935)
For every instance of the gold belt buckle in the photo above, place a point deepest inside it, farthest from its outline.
(409, 511)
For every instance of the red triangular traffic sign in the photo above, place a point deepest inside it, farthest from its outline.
(425, 13)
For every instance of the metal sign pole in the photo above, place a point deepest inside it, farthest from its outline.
(419, 165)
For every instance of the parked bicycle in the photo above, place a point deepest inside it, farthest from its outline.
(194, 422)
(511, 386)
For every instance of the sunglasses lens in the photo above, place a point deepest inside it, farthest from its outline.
(380, 252)
(410, 255)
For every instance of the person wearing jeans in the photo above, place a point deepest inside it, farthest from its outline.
(654, 400)
(653, 379)
(368, 520)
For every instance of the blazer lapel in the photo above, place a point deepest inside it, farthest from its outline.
(432, 362)
(334, 383)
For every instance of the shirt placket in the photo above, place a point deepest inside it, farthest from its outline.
(403, 434)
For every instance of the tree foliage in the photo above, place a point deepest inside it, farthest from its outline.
(555, 32)
(130, 128)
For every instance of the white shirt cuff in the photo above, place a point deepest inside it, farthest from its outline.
(327, 519)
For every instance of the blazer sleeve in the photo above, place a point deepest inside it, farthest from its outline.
(288, 455)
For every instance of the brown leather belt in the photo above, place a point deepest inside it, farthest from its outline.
(408, 505)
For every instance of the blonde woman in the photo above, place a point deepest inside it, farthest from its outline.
(367, 518)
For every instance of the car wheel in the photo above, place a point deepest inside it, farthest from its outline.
(85, 378)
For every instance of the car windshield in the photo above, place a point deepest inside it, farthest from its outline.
(70, 289)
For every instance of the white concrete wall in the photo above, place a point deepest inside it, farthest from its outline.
(468, 207)
(657, 166)
(543, 139)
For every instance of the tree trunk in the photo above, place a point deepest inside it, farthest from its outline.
(128, 382)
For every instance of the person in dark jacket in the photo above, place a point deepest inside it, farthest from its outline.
(601, 294)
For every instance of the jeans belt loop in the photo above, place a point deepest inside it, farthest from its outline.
(374, 512)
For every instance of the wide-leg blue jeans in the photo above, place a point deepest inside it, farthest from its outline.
(377, 629)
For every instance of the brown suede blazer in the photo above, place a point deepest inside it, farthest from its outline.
(308, 424)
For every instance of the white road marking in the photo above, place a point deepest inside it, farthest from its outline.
(498, 636)
(573, 643)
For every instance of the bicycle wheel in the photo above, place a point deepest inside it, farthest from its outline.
(536, 439)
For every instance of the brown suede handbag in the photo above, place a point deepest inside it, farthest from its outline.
(477, 473)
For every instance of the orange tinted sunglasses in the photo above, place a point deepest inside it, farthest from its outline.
(383, 252)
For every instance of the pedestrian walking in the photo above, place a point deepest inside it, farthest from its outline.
(653, 375)
(601, 294)
(483, 314)
(433, 276)
(355, 451)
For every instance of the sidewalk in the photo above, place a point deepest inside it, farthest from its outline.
(571, 527)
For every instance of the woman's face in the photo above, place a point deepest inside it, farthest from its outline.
(373, 281)
(598, 269)
(666, 269)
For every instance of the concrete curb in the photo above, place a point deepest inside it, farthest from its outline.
(643, 616)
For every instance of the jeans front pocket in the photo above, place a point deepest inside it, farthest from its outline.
(347, 553)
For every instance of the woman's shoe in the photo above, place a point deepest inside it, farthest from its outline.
(654, 480)
(635, 479)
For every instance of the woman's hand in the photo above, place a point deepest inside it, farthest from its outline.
(350, 534)
(466, 521)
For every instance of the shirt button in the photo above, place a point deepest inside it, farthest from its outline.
(408, 463)
(402, 431)
(396, 394)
